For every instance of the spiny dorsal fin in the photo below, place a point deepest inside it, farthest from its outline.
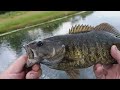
(80, 28)
(107, 27)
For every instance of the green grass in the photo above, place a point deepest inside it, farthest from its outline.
(20, 19)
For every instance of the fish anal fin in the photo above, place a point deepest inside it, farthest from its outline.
(73, 74)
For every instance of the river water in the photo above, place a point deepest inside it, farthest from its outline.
(11, 45)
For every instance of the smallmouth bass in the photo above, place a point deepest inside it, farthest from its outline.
(82, 47)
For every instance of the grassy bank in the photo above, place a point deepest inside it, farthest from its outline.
(20, 19)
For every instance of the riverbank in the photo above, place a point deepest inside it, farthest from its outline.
(20, 19)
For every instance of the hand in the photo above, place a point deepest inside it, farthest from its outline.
(17, 71)
(111, 71)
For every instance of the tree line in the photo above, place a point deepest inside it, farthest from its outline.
(3, 12)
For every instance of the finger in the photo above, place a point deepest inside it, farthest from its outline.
(36, 67)
(33, 75)
(115, 53)
(100, 72)
(13, 76)
(21, 75)
(18, 76)
(96, 66)
(18, 65)
(107, 66)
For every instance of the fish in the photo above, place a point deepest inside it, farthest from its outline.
(82, 47)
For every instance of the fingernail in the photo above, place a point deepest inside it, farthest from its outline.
(36, 67)
(115, 48)
(98, 66)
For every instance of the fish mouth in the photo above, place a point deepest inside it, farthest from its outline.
(29, 52)
(31, 56)
(30, 63)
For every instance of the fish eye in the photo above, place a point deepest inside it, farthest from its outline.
(39, 43)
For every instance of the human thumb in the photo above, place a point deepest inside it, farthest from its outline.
(18, 65)
(115, 53)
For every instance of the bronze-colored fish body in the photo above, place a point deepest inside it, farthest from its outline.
(86, 49)
(83, 47)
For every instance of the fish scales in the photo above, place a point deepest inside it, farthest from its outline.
(82, 47)
(90, 48)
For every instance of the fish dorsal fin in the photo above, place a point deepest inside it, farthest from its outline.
(80, 28)
(107, 27)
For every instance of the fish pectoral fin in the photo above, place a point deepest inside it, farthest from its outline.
(73, 74)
